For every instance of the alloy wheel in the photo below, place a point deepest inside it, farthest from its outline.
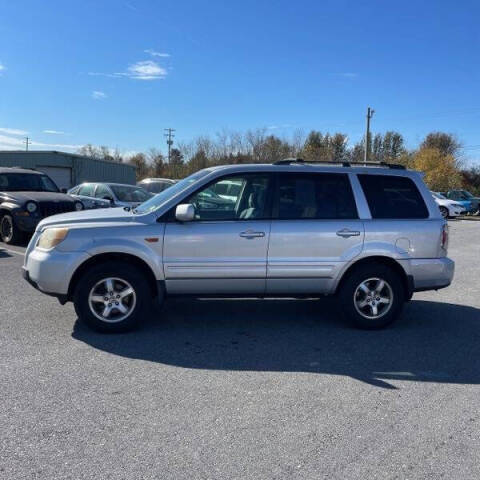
(112, 299)
(6, 229)
(373, 298)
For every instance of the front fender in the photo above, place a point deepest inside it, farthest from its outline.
(129, 247)
(9, 206)
(135, 245)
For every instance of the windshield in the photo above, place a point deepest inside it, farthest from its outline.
(438, 195)
(156, 187)
(467, 194)
(125, 193)
(26, 182)
(158, 200)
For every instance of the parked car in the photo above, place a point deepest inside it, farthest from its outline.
(110, 194)
(26, 197)
(370, 236)
(463, 196)
(228, 189)
(156, 185)
(449, 208)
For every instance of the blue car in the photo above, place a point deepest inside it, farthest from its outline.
(453, 195)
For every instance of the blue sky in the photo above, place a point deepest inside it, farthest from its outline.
(117, 73)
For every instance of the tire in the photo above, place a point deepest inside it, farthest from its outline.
(353, 295)
(9, 233)
(444, 212)
(92, 299)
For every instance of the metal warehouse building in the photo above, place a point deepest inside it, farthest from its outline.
(69, 169)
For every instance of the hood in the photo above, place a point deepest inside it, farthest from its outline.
(84, 217)
(128, 204)
(446, 202)
(38, 197)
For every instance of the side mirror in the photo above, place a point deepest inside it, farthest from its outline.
(63, 190)
(107, 197)
(185, 212)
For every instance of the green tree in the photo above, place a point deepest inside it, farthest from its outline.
(446, 143)
(176, 165)
(140, 163)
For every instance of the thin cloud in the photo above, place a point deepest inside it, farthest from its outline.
(276, 127)
(54, 132)
(13, 131)
(98, 95)
(2, 68)
(144, 70)
(14, 143)
(348, 75)
(154, 53)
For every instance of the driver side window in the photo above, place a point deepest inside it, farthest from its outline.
(247, 201)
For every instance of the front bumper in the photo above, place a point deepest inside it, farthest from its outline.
(455, 212)
(431, 273)
(27, 224)
(50, 271)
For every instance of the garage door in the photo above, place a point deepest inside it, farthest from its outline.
(62, 176)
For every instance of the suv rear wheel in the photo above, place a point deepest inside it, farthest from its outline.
(372, 296)
(111, 297)
(9, 232)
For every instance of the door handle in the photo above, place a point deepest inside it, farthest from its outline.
(251, 234)
(345, 233)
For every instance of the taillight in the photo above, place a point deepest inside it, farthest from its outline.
(444, 238)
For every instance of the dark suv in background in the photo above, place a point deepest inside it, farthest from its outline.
(26, 197)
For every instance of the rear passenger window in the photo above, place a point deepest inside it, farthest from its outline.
(315, 196)
(390, 196)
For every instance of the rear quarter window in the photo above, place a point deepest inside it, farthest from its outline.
(390, 196)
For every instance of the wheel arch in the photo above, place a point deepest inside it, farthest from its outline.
(113, 256)
(407, 281)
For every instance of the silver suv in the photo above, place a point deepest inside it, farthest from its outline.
(370, 235)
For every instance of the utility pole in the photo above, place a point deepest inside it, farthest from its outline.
(26, 142)
(370, 113)
(169, 136)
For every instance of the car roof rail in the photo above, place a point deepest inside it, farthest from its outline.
(301, 161)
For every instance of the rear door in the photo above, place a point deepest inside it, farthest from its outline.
(85, 195)
(315, 231)
(224, 249)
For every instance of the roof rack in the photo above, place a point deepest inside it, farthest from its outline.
(300, 161)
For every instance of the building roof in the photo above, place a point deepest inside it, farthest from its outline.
(56, 152)
(19, 170)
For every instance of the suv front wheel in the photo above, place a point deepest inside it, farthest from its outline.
(9, 232)
(111, 297)
(372, 296)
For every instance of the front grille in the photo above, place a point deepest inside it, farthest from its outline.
(48, 209)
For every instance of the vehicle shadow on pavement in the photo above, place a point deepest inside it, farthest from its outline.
(432, 342)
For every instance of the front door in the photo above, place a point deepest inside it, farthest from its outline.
(315, 231)
(224, 249)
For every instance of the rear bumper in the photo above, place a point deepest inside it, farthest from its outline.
(431, 273)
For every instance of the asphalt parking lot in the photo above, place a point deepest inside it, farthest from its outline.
(232, 389)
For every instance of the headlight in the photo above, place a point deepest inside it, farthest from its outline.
(31, 207)
(78, 206)
(51, 237)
